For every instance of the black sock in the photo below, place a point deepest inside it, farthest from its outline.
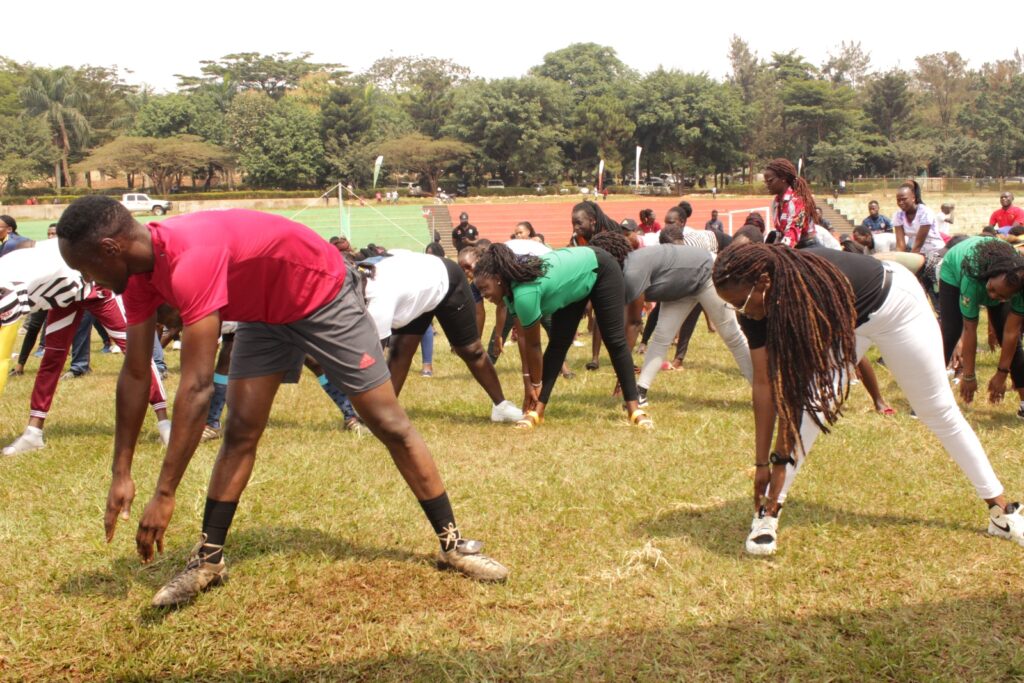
(216, 522)
(439, 512)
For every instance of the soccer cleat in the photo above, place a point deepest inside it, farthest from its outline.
(210, 433)
(764, 531)
(506, 411)
(30, 440)
(1007, 523)
(197, 576)
(465, 557)
(163, 427)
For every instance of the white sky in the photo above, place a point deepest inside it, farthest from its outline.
(495, 39)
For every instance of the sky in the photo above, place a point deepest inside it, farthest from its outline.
(151, 42)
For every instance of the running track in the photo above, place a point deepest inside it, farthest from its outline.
(554, 221)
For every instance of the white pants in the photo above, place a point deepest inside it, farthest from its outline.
(907, 334)
(672, 314)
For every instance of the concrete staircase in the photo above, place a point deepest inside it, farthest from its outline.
(438, 218)
(840, 223)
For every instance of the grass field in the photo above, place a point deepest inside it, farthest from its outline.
(626, 549)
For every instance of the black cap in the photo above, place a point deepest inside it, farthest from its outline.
(463, 216)
(628, 224)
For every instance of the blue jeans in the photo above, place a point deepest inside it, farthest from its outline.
(158, 354)
(80, 353)
(427, 346)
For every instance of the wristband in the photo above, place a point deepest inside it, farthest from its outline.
(969, 378)
(777, 458)
(762, 464)
(538, 385)
(1005, 371)
(526, 374)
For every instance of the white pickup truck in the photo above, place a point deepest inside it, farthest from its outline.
(135, 201)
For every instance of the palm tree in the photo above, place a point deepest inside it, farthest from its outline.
(54, 96)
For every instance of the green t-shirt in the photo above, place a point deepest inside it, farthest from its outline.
(571, 274)
(973, 292)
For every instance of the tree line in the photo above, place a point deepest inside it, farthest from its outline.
(284, 121)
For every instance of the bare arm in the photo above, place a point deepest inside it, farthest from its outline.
(634, 320)
(969, 350)
(1011, 337)
(198, 360)
(920, 237)
(533, 360)
(764, 421)
(901, 238)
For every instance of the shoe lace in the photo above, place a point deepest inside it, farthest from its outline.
(196, 558)
(449, 536)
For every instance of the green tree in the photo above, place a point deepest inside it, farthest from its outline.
(354, 120)
(26, 152)
(849, 67)
(282, 146)
(162, 159)
(424, 86)
(55, 96)
(165, 115)
(428, 157)
(588, 69)
(273, 74)
(944, 79)
(995, 115)
(889, 103)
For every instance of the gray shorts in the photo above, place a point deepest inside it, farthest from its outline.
(340, 335)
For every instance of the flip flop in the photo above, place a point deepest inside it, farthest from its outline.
(641, 419)
(887, 412)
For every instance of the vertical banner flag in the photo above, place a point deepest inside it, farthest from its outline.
(800, 167)
(636, 175)
(600, 176)
(376, 169)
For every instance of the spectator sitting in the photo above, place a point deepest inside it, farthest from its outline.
(876, 222)
(1007, 215)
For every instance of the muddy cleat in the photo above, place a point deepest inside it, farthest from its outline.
(506, 411)
(30, 440)
(197, 576)
(465, 557)
(1008, 524)
(764, 532)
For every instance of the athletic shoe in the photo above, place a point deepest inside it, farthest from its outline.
(105, 349)
(30, 440)
(354, 424)
(506, 411)
(427, 373)
(115, 349)
(1020, 411)
(39, 352)
(577, 343)
(467, 559)
(210, 433)
(643, 396)
(197, 576)
(764, 531)
(176, 345)
(163, 427)
(1007, 523)
(71, 374)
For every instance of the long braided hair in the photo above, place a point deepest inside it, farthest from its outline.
(499, 262)
(994, 257)
(784, 168)
(811, 322)
(616, 244)
(601, 220)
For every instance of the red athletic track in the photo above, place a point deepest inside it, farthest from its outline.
(554, 221)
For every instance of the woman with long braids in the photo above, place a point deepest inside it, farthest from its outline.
(560, 284)
(808, 316)
(793, 208)
(984, 271)
(587, 220)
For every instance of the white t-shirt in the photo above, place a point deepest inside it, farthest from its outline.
(827, 239)
(527, 247)
(884, 242)
(36, 279)
(933, 242)
(406, 286)
(705, 239)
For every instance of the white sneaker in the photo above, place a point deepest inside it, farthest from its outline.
(1007, 523)
(764, 531)
(506, 411)
(164, 428)
(30, 440)
(176, 345)
(115, 349)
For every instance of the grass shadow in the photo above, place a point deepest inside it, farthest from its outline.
(722, 527)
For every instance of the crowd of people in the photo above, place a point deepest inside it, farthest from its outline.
(256, 297)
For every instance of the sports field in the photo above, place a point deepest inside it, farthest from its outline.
(626, 548)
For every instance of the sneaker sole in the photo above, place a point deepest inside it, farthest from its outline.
(996, 532)
(447, 567)
(8, 452)
(761, 549)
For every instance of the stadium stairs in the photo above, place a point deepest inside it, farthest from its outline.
(438, 218)
(840, 223)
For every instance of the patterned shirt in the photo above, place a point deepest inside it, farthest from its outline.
(790, 219)
(37, 279)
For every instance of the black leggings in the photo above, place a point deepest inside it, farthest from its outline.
(32, 327)
(510, 321)
(951, 322)
(608, 297)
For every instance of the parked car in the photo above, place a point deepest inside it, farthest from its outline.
(135, 201)
(496, 184)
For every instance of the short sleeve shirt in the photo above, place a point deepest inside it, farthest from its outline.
(462, 233)
(1006, 218)
(666, 272)
(878, 224)
(404, 287)
(790, 219)
(932, 242)
(37, 279)
(973, 292)
(570, 277)
(250, 266)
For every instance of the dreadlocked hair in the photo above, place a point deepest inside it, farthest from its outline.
(784, 168)
(992, 258)
(601, 220)
(614, 243)
(811, 322)
(498, 261)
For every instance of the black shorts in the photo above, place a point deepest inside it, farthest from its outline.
(456, 313)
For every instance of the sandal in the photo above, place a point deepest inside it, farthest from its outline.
(529, 421)
(641, 419)
(887, 412)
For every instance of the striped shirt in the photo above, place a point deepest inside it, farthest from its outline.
(37, 279)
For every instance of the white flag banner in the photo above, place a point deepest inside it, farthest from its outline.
(600, 175)
(636, 175)
(376, 169)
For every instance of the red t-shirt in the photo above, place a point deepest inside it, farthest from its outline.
(250, 266)
(652, 228)
(1006, 218)
(790, 218)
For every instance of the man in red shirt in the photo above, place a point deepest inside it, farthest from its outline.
(292, 295)
(1007, 215)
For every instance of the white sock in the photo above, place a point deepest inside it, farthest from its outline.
(33, 431)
